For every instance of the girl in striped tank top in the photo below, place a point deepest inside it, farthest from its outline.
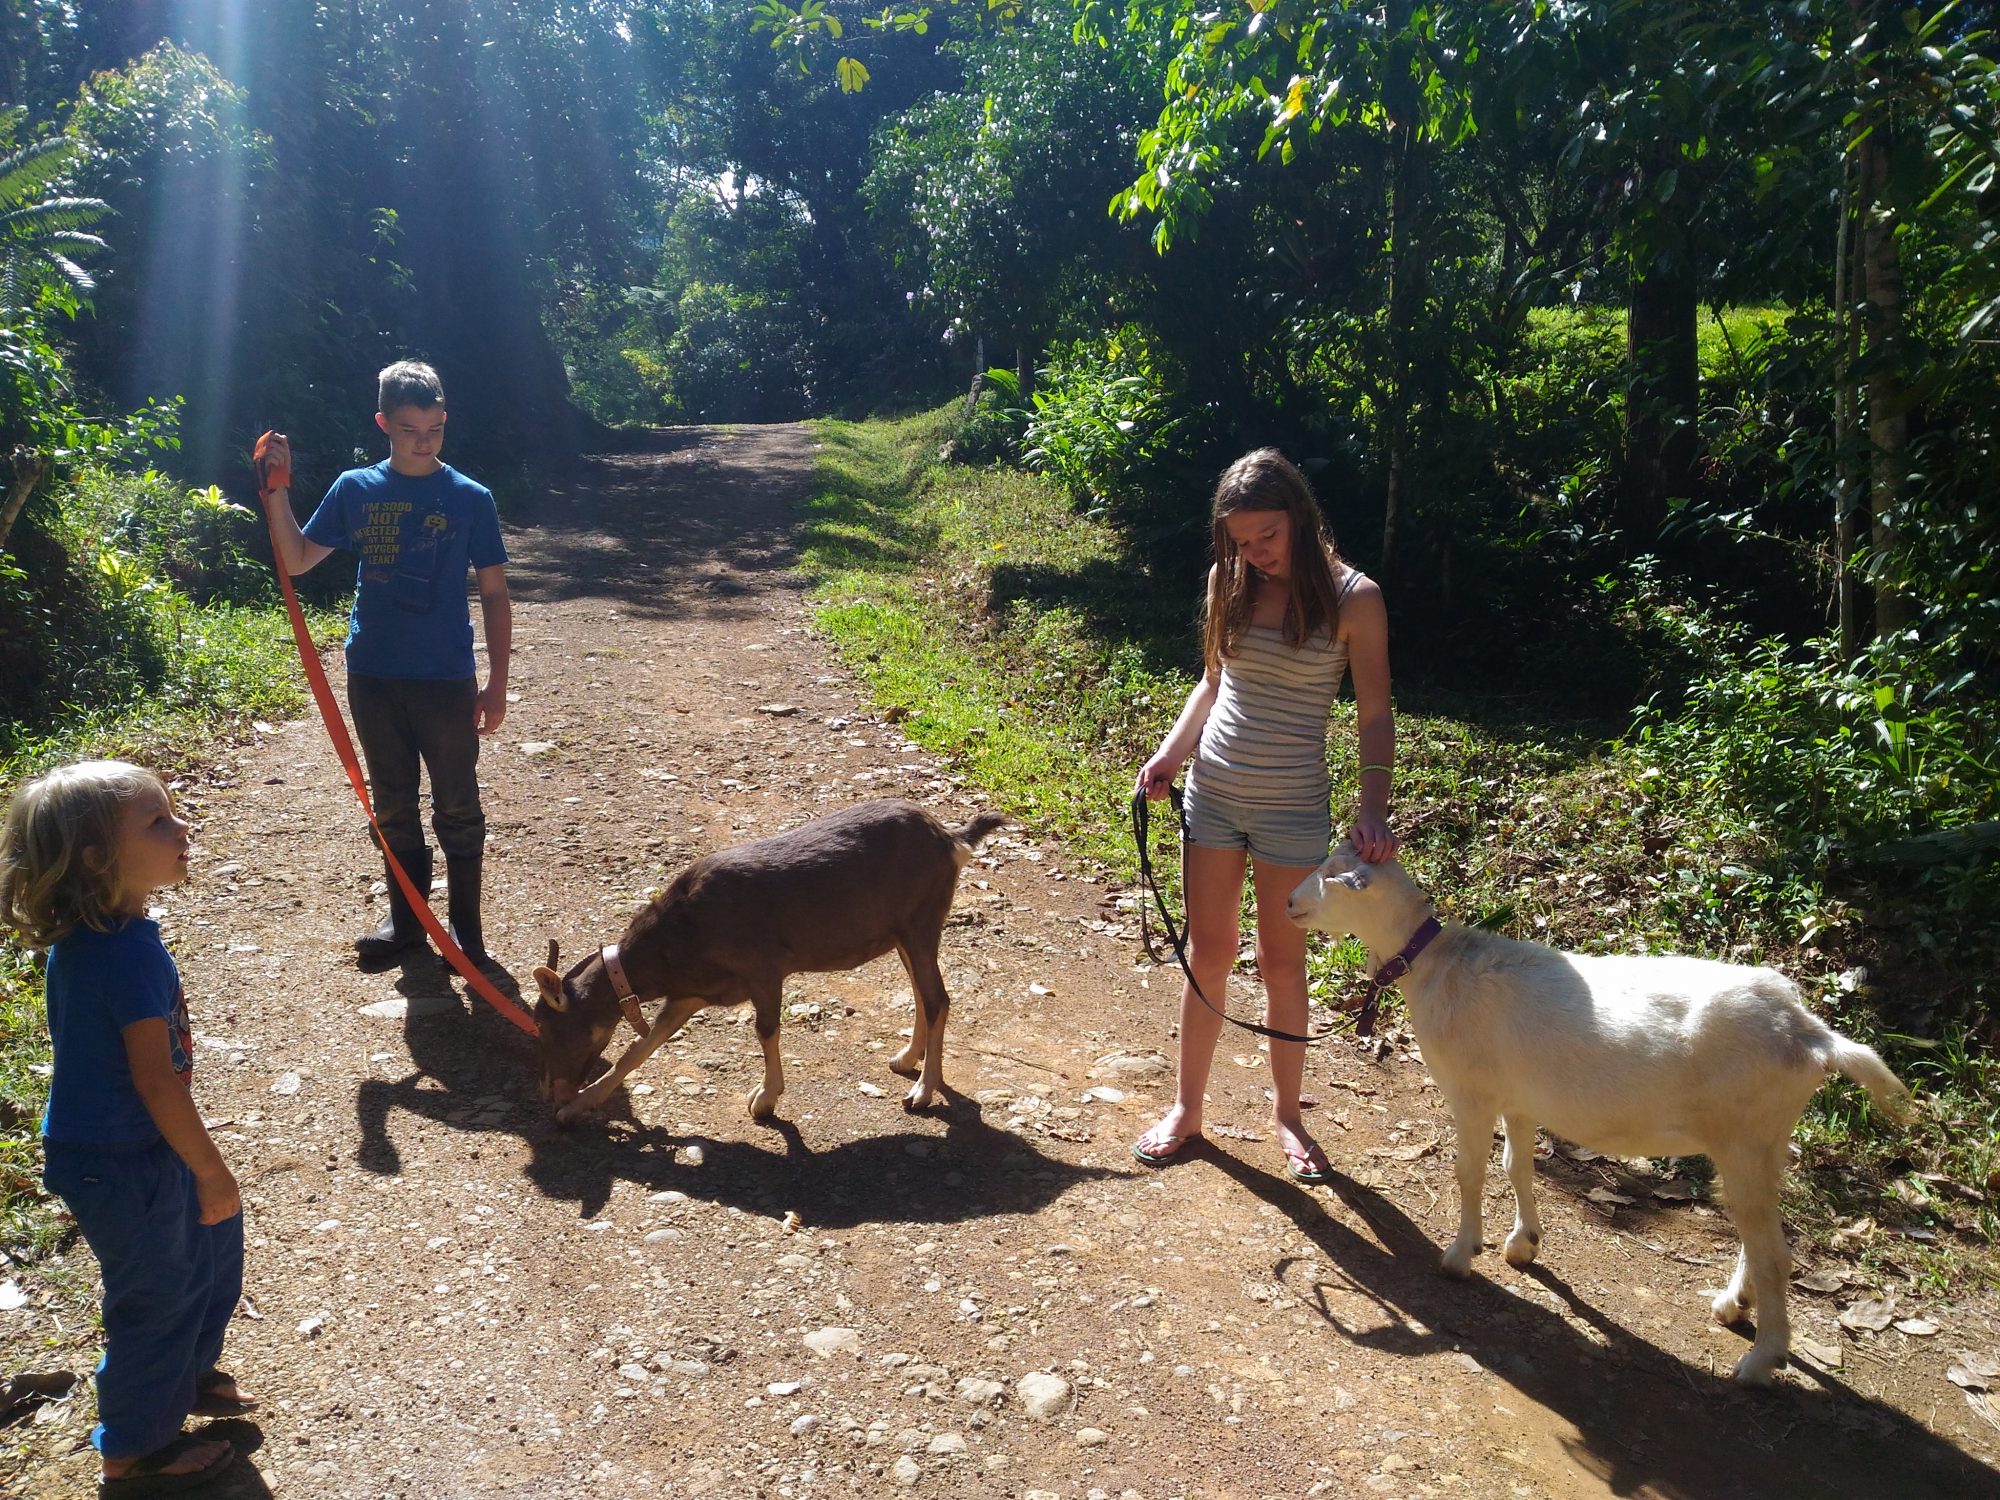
(1285, 618)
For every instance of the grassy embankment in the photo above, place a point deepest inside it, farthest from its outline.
(1020, 644)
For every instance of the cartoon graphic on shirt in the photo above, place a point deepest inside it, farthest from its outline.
(180, 1038)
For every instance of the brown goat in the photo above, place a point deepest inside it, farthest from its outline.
(830, 894)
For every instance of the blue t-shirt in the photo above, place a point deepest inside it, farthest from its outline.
(98, 984)
(415, 538)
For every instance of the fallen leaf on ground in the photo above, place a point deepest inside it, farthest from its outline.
(1826, 1356)
(1605, 1195)
(1975, 1372)
(1821, 1281)
(1916, 1328)
(1874, 1315)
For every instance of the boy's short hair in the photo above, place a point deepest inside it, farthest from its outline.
(408, 382)
(47, 888)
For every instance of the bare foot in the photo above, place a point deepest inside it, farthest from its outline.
(1174, 1130)
(1304, 1161)
(216, 1394)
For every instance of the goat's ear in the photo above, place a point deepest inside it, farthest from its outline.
(550, 984)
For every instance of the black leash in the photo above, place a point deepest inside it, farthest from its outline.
(1364, 1020)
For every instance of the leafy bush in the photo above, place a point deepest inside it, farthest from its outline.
(990, 427)
(739, 356)
(1108, 425)
(81, 626)
(209, 549)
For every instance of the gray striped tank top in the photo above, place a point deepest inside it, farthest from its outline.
(1264, 744)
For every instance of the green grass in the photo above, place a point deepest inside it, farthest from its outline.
(1024, 648)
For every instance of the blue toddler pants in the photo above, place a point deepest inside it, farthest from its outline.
(171, 1284)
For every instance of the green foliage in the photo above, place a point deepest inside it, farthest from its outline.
(42, 231)
(738, 356)
(210, 550)
(96, 631)
(1108, 426)
(995, 193)
(992, 421)
(27, 1229)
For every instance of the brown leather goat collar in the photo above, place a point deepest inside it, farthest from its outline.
(1392, 971)
(628, 1001)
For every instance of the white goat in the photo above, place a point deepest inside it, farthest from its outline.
(1653, 1056)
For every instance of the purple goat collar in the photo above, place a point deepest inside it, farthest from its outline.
(1393, 970)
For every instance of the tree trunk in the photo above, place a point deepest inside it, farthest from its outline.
(1888, 398)
(1850, 492)
(1662, 392)
(29, 466)
(1406, 291)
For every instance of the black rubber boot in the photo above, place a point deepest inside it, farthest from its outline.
(462, 882)
(402, 931)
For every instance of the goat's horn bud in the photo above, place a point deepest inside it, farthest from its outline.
(555, 957)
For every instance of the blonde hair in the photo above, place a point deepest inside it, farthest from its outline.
(1266, 480)
(48, 888)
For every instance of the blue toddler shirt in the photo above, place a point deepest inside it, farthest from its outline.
(98, 984)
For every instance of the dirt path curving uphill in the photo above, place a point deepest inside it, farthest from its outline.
(452, 1297)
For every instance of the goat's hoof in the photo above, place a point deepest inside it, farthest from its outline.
(909, 1064)
(1730, 1309)
(1520, 1249)
(1757, 1368)
(763, 1106)
(918, 1098)
(1457, 1264)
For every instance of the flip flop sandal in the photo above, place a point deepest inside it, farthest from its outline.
(210, 1402)
(1173, 1144)
(145, 1477)
(1299, 1167)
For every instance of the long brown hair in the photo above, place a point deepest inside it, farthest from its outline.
(1267, 480)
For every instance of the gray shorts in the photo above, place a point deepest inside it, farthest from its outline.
(1297, 836)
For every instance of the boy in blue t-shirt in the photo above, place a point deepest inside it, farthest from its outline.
(416, 525)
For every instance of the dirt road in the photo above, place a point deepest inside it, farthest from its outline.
(452, 1297)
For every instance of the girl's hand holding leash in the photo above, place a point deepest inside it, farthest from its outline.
(1156, 777)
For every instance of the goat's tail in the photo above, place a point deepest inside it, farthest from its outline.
(975, 833)
(1861, 1065)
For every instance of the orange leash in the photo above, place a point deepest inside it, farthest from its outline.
(343, 747)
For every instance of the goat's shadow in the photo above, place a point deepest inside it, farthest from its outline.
(472, 1072)
(1647, 1424)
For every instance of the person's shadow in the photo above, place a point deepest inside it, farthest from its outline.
(241, 1480)
(1646, 1423)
